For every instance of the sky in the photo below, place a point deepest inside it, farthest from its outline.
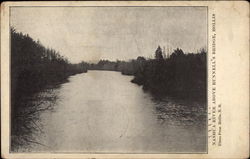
(93, 33)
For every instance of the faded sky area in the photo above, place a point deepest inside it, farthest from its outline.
(93, 33)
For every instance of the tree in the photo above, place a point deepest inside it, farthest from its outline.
(140, 58)
(177, 53)
(158, 53)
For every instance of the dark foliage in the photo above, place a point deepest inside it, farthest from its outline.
(33, 68)
(180, 75)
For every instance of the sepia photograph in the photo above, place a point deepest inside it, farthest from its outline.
(108, 79)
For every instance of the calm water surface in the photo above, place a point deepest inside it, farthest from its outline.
(102, 111)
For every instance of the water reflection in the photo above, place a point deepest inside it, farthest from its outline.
(27, 123)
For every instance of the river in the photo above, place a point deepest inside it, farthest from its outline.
(103, 112)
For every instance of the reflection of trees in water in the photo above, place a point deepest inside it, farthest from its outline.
(180, 112)
(26, 120)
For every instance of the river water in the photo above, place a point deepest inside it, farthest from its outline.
(103, 112)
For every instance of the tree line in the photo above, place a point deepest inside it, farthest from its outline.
(181, 74)
(33, 66)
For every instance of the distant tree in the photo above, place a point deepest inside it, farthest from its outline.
(202, 51)
(158, 53)
(140, 58)
(177, 53)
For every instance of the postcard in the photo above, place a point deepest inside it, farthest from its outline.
(125, 79)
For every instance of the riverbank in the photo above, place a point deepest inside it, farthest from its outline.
(183, 77)
(34, 68)
(180, 75)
